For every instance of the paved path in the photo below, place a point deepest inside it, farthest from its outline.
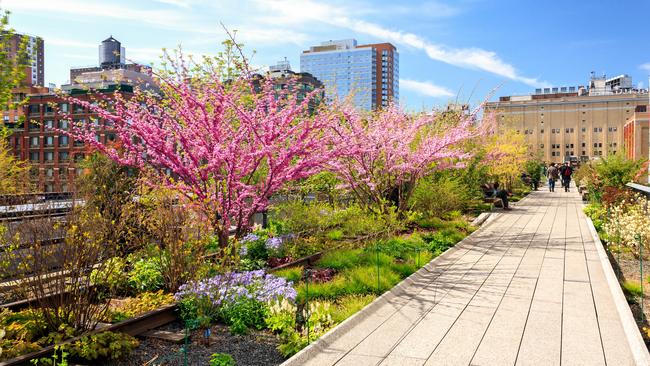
(529, 288)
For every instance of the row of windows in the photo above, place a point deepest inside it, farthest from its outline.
(48, 156)
(568, 130)
(570, 146)
(584, 153)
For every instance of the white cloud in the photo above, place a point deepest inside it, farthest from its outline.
(645, 66)
(167, 19)
(425, 88)
(68, 42)
(289, 13)
(179, 3)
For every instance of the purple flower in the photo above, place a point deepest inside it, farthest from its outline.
(243, 250)
(249, 238)
(273, 243)
(229, 288)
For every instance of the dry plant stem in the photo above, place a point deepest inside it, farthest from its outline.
(67, 298)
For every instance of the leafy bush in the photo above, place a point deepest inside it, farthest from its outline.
(401, 247)
(112, 276)
(439, 194)
(141, 304)
(26, 325)
(146, 275)
(598, 215)
(282, 320)
(335, 234)
(221, 359)
(104, 345)
(442, 240)
(244, 314)
(204, 301)
(320, 219)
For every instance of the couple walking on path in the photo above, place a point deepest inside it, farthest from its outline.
(554, 173)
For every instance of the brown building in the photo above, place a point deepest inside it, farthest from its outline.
(637, 134)
(51, 154)
(581, 122)
(367, 75)
(35, 51)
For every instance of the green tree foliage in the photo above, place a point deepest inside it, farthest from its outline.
(14, 173)
(13, 59)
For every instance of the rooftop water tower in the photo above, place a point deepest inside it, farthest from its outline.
(111, 53)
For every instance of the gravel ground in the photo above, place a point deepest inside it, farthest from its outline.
(254, 349)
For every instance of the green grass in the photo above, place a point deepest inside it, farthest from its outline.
(340, 259)
(349, 305)
(290, 274)
(632, 288)
(335, 235)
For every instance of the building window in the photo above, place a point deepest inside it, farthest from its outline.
(584, 129)
(49, 140)
(49, 172)
(63, 107)
(63, 140)
(33, 141)
(34, 156)
(583, 144)
(64, 156)
(64, 124)
(48, 156)
(541, 146)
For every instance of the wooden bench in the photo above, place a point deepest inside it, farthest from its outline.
(488, 198)
(496, 201)
(584, 193)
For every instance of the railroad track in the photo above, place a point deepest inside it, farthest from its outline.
(134, 326)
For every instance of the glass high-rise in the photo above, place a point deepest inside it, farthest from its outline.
(366, 74)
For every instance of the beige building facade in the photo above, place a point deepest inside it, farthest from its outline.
(572, 122)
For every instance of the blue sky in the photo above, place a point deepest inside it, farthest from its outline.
(447, 49)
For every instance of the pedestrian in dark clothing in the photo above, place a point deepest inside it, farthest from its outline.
(552, 174)
(565, 172)
(503, 194)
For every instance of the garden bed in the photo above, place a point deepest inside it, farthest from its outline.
(259, 348)
(627, 268)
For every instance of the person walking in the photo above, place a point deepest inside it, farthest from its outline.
(566, 171)
(552, 174)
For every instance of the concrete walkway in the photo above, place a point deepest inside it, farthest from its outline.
(531, 287)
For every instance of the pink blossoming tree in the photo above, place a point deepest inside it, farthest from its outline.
(226, 145)
(386, 153)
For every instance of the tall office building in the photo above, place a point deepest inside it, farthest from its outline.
(35, 50)
(583, 122)
(368, 74)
